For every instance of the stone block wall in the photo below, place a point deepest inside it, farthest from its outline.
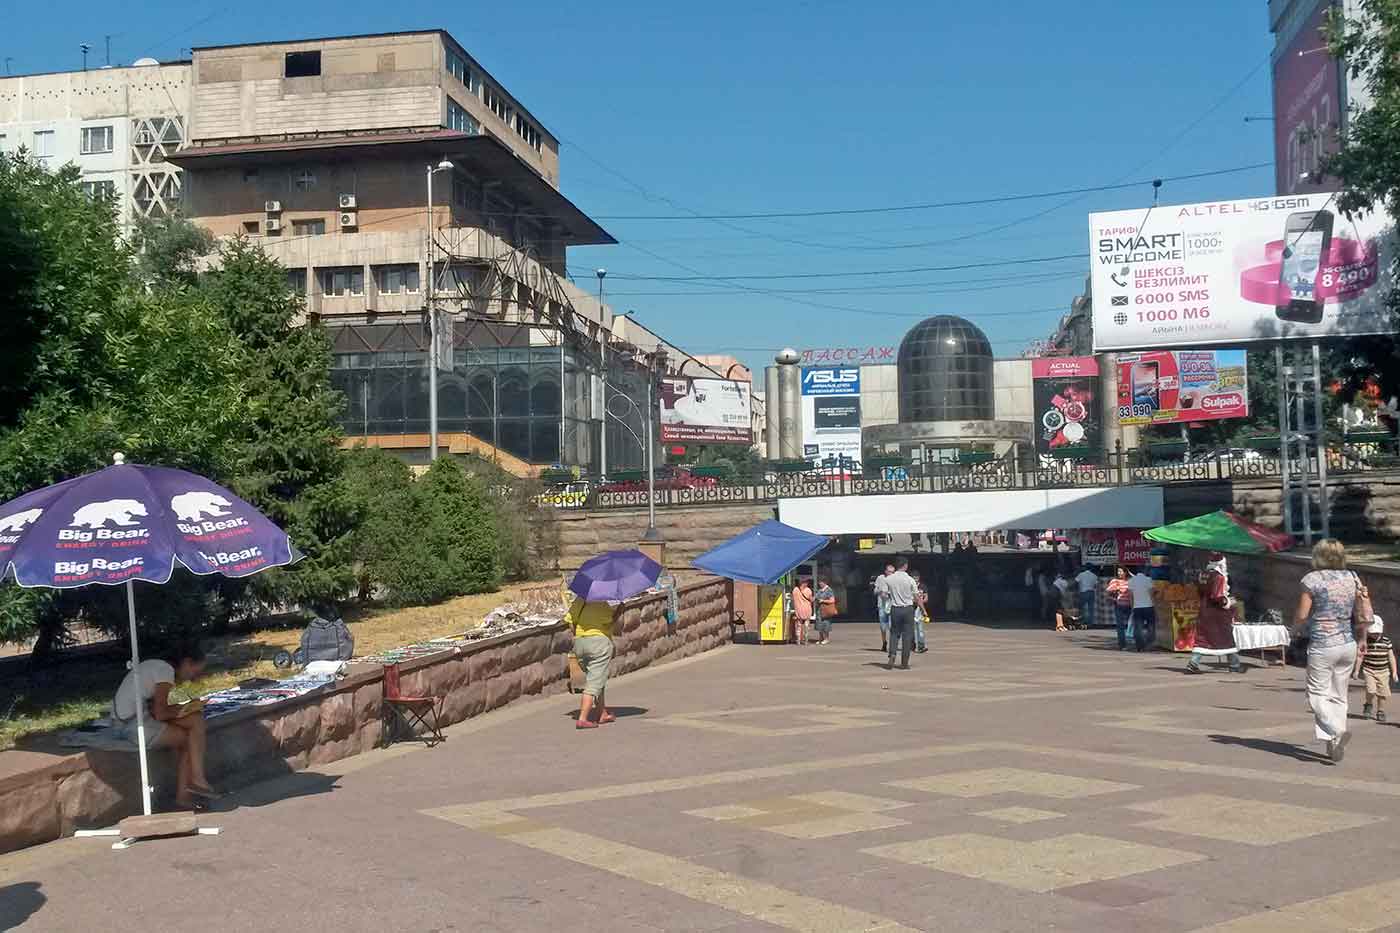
(688, 530)
(95, 788)
(1272, 582)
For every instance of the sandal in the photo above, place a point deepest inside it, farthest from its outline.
(606, 718)
(208, 793)
(585, 724)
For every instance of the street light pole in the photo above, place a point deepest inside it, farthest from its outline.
(652, 534)
(443, 166)
(603, 385)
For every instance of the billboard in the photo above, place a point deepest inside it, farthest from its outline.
(1105, 547)
(1307, 105)
(831, 412)
(1174, 386)
(705, 411)
(1234, 272)
(1065, 393)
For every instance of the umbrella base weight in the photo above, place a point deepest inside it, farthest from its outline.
(161, 824)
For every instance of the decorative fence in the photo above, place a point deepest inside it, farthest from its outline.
(1156, 465)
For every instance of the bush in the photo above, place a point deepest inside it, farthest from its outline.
(461, 529)
(380, 486)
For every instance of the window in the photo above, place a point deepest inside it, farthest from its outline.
(396, 280)
(100, 190)
(96, 139)
(306, 180)
(457, 66)
(251, 227)
(526, 130)
(459, 119)
(43, 144)
(303, 64)
(343, 280)
(296, 280)
(309, 226)
(498, 105)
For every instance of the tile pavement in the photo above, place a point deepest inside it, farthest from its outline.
(1013, 780)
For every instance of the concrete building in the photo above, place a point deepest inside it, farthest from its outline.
(327, 152)
(119, 126)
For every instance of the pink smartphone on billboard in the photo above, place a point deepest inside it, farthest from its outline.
(1307, 238)
(1145, 384)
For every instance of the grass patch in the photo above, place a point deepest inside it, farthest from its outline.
(75, 690)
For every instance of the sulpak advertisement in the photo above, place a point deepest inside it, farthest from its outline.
(1175, 386)
(1065, 392)
(1234, 272)
(705, 411)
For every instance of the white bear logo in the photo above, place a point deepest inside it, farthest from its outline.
(17, 521)
(117, 511)
(193, 506)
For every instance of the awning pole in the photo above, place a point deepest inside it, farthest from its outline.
(140, 701)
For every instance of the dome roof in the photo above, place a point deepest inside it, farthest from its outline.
(945, 372)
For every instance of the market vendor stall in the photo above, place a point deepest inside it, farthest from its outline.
(1205, 618)
(764, 554)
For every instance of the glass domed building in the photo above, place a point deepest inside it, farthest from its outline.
(947, 397)
(945, 372)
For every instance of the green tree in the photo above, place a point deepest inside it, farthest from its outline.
(1367, 163)
(290, 463)
(380, 486)
(168, 249)
(462, 527)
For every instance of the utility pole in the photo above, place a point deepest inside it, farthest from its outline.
(85, 49)
(108, 41)
(433, 350)
(604, 332)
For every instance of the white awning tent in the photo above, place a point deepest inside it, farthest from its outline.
(1093, 507)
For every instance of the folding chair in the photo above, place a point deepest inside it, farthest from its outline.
(410, 712)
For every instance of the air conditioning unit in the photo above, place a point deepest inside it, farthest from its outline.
(348, 219)
(272, 207)
(347, 202)
(272, 225)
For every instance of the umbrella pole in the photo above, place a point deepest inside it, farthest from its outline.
(140, 701)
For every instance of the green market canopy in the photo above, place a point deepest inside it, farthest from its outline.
(1221, 531)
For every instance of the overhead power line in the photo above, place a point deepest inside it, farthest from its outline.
(936, 205)
(698, 277)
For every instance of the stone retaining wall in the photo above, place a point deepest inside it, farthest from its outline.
(95, 788)
(1272, 582)
(688, 530)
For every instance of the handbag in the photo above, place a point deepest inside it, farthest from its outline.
(828, 607)
(1362, 613)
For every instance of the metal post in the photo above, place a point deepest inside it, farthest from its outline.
(652, 534)
(1322, 503)
(1284, 447)
(603, 332)
(432, 333)
(1304, 456)
(563, 399)
(140, 700)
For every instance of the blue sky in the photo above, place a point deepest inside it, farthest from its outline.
(729, 107)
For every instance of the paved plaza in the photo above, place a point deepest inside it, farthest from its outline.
(1013, 780)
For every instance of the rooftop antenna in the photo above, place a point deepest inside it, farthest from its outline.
(8, 59)
(86, 48)
(107, 39)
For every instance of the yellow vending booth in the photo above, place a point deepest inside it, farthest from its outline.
(773, 624)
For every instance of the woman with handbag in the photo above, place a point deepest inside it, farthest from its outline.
(1336, 609)
(826, 609)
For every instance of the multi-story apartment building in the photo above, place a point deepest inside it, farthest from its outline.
(118, 125)
(327, 152)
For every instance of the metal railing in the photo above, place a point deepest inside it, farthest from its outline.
(767, 482)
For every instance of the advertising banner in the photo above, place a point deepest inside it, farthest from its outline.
(1065, 392)
(1235, 272)
(1175, 386)
(1307, 106)
(1106, 547)
(705, 411)
(831, 413)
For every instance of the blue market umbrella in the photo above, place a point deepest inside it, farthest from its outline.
(130, 522)
(615, 576)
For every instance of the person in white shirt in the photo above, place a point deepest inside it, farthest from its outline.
(1088, 583)
(1144, 613)
(168, 725)
(903, 595)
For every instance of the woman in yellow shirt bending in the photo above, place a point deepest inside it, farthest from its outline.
(593, 646)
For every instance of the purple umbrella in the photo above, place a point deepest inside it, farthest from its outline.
(129, 522)
(615, 576)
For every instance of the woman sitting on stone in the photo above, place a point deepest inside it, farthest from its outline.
(177, 726)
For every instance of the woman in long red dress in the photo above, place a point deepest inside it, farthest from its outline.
(1215, 635)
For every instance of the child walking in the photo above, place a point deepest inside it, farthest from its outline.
(1376, 663)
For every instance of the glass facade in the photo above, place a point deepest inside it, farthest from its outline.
(945, 372)
(535, 402)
